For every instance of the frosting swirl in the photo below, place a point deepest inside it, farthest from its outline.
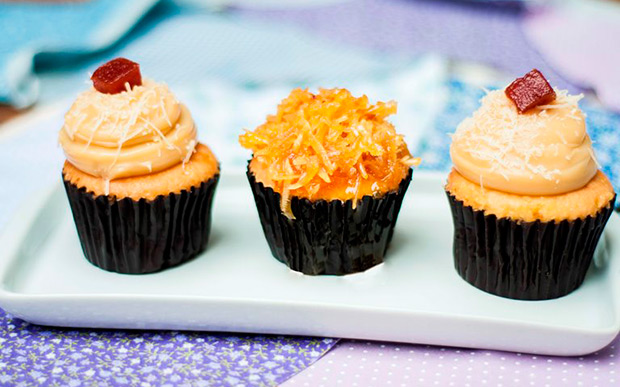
(545, 151)
(136, 132)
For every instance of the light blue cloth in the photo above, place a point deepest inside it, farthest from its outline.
(176, 41)
(29, 29)
(184, 45)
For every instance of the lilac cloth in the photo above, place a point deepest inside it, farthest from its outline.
(32, 355)
(364, 363)
(571, 52)
(481, 33)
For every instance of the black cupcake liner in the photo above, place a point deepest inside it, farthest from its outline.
(524, 260)
(144, 236)
(329, 237)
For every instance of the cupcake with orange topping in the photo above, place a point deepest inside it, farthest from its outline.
(328, 173)
(139, 184)
(528, 200)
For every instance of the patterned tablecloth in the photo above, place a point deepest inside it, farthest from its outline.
(362, 363)
(45, 356)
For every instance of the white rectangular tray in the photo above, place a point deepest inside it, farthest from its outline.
(416, 296)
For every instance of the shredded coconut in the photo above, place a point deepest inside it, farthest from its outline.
(318, 140)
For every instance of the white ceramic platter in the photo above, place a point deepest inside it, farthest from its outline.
(236, 285)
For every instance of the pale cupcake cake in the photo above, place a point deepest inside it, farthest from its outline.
(139, 184)
(528, 199)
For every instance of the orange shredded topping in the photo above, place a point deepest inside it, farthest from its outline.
(329, 145)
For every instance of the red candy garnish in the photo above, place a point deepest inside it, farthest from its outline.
(530, 91)
(111, 77)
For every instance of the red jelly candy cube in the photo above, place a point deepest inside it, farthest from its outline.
(111, 77)
(530, 91)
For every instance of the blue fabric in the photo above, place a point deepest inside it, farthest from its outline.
(179, 42)
(183, 45)
(28, 29)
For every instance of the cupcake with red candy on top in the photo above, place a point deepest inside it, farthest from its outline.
(328, 173)
(139, 184)
(528, 200)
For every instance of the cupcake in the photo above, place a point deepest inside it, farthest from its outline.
(328, 174)
(139, 184)
(528, 200)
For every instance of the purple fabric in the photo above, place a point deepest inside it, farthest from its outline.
(571, 52)
(34, 355)
(490, 34)
(376, 364)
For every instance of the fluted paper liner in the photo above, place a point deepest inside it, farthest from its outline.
(524, 260)
(144, 236)
(329, 237)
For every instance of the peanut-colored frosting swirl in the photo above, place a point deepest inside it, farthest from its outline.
(545, 151)
(136, 132)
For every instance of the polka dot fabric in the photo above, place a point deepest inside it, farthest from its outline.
(362, 363)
